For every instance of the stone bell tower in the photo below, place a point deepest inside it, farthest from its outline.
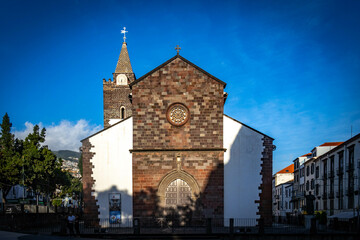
(117, 93)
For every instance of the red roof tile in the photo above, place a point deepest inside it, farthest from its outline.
(330, 144)
(288, 169)
(306, 155)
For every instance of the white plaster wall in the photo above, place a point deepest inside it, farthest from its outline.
(112, 170)
(112, 121)
(322, 150)
(281, 178)
(242, 166)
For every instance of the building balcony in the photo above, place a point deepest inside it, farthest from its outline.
(339, 171)
(349, 191)
(339, 194)
(331, 174)
(349, 168)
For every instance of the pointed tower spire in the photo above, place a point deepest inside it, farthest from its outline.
(123, 65)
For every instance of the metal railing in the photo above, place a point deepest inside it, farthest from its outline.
(349, 168)
(58, 225)
(339, 194)
(340, 171)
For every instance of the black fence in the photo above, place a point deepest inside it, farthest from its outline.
(58, 224)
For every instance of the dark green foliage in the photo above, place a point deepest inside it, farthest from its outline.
(32, 162)
(10, 156)
(72, 186)
(41, 164)
(67, 154)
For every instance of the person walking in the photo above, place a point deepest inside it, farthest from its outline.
(71, 220)
(77, 229)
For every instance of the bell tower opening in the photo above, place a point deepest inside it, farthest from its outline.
(122, 112)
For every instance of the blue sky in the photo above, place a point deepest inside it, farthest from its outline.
(292, 68)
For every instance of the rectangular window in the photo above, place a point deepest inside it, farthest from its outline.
(312, 168)
(350, 190)
(317, 173)
(341, 160)
(332, 164)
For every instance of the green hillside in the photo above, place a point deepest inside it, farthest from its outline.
(67, 154)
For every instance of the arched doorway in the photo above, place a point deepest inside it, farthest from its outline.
(177, 188)
(178, 193)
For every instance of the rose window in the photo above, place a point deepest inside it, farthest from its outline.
(177, 114)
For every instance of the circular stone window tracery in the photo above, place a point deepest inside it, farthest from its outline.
(178, 114)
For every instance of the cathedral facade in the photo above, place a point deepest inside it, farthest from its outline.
(167, 145)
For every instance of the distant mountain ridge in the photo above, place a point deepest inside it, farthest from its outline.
(68, 155)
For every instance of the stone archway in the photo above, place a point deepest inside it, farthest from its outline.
(174, 183)
(178, 193)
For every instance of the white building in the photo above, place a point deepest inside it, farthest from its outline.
(282, 205)
(340, 171)
(282, 184)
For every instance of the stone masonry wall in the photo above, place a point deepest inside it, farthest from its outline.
(265, 206)
(91, 210)
(205, 166)
(116, 96)
(178, 82)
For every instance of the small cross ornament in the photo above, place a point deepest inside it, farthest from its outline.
(177, 49)
(123, 31)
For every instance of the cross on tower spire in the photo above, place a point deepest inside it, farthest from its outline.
(123, 31)
(177, 49)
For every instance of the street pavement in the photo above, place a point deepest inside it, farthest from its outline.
(4, 235)
(23, 236)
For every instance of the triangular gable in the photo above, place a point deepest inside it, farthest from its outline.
(105, 129)
(248, 126)
(169, 61)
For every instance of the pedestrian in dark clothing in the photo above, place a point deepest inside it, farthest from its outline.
(77, 229)
(71, 220)
(63, 224)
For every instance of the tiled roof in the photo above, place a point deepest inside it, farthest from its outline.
(169, 61)
(306, 155)
(327, 144)
(123, 65)
(288, 169)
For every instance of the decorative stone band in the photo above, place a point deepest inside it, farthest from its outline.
(177, 150)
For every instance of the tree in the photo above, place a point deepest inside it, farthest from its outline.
(73, 185)
(10, 157)
(32, 162)
(42, 166)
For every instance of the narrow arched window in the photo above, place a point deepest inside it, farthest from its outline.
(122, 112)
